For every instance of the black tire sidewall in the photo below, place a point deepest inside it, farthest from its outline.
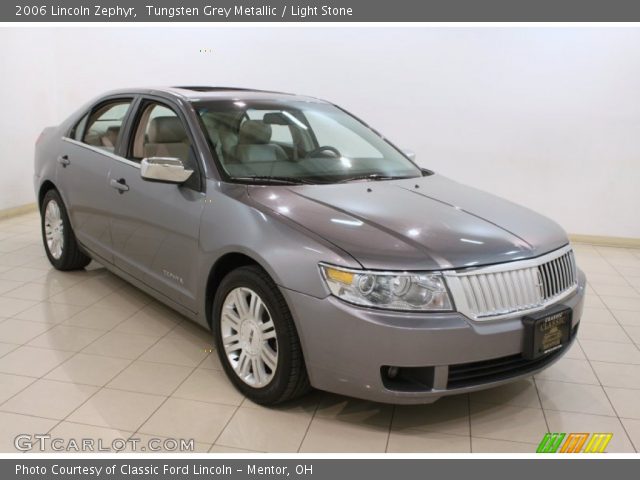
(267, 290)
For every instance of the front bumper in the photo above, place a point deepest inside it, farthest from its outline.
(347, 348)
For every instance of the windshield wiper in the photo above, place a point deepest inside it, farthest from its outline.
(274, 179)
(371, 176)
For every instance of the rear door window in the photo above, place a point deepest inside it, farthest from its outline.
(103, 126)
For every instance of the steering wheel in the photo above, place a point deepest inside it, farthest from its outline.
(325, 148)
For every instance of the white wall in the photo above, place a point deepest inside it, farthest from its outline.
(547, 117)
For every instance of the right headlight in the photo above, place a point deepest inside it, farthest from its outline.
(390, 290)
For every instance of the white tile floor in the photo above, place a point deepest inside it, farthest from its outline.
(83, 354)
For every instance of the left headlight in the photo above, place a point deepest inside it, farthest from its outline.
(391, 290)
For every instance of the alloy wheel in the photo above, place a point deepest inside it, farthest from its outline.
(54, 229)
(249, 337)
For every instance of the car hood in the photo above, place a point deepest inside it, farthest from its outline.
(426, 223)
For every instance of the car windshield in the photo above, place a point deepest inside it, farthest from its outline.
(298, 142)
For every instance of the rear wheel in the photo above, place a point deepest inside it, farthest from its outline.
(256, 338)
(58, 238)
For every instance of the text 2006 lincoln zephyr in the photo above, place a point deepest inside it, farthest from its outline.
(318, 253)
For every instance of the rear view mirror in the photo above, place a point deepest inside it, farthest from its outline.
(164, 169)
(275, 118)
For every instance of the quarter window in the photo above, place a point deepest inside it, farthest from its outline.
(78, 131)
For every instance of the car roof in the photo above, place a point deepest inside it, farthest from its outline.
(200, 92)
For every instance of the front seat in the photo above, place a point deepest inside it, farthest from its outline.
(253, 144)
(167, 138)
(223, 139)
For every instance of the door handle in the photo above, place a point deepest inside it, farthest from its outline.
(64, 160)
(120, 185)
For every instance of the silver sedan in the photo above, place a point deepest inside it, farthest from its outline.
(318, 253)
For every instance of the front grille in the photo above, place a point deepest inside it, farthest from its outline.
(514, 287)
(496, 369)
(558, 275)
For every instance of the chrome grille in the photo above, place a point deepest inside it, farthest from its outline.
(498, 290)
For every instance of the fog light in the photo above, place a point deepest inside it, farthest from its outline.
(392, 372)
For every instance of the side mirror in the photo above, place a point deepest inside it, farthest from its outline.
(410, 153)
(164, 169)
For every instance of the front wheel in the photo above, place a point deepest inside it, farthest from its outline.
(57, 236)
(256, 338)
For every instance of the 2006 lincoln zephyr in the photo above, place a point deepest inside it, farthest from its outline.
(317, 252)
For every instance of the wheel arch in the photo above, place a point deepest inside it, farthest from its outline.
(223, 266)
(44, 188)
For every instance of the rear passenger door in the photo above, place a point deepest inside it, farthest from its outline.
(82, 173)
(156, 226)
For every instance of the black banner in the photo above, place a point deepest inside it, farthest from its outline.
(318, 469)
(320, 11)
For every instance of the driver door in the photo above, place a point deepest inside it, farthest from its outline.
(155, 230)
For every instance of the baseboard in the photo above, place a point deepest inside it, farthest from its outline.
(15, 211)
(623, 242)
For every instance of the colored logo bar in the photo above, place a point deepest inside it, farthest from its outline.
(574, 442)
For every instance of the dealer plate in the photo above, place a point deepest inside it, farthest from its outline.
(546, 331)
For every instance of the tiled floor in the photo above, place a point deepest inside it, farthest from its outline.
(85, 355)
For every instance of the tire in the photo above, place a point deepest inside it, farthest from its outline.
(258, 338)
(58, 238)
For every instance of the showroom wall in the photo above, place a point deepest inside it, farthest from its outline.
(546, 117)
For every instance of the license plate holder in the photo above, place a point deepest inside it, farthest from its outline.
(546, 331)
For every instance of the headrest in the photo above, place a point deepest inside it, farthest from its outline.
(166, 130)
(254, 132)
